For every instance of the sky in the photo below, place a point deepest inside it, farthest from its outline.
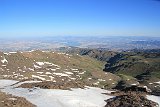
(79, 17)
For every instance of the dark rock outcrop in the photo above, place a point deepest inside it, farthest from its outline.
(130, 99)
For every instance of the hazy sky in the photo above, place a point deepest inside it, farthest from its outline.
(79, 17)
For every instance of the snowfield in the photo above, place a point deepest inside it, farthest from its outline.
(88, 97)
(154, 98)
(6, 83)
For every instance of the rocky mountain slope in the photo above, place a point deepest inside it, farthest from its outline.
(78, 68)
(134, 67)
(55, 67)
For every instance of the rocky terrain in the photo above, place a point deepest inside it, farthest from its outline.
(130, 99)
(134, 96)
(77, 68)
(12, 101)
(55, 67)
(134, 67)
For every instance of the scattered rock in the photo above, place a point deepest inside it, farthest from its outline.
(12, 101)
(53, 85)
(130, 99)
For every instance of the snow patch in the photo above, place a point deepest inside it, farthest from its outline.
(53, 69)
(12, 52)
(154, 98)
(157, 82)
(39, 72)
(5, 83)
(61, 74)
(89, 78)
(96, 83)
(4, 60)
(6, 54)
(47, 63)
(31, 51)
(36, 66)
(69, 73)
(135, 83)
(88, 97)
(101, 80)
(41, 78)
(31, 69)
(40, 63)
(74, 69)
(48, 73)
(82, 73)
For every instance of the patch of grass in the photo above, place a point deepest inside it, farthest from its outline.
(86, 75)
(125, 77)
(155, 74)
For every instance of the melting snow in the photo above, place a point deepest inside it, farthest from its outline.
(31, 51)
(37, 67)
(40, 63)
(48, 63)
(56, 65)
(39, 72)
(6, 53)
(53, 69)
(74, 69)
(60, 74)
(135, 83)
(101, 80)
(41, 78)
(96, 83)
(31, 69)
(4, 60)
(82, 73)
(12, 52)
(51, 78)
(48, 73)
(70, 73)
(5, 83)
(158, 82)
(88, 97)
(12, 99)
(154, 98)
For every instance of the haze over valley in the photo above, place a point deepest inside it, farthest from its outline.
(113, 43)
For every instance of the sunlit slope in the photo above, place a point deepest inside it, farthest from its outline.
(55, 67)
